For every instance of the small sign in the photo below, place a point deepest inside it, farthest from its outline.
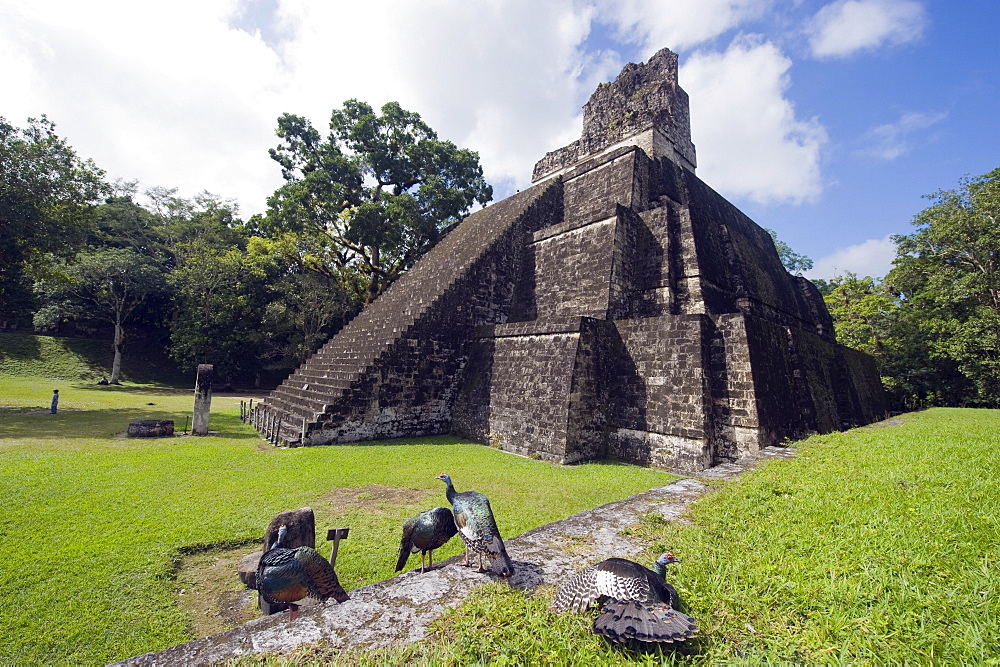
(337, 533)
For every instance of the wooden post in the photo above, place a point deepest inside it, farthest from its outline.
(336, 534)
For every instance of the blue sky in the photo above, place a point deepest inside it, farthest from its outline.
(825, 120)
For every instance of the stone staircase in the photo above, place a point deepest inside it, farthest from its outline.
(335, 373)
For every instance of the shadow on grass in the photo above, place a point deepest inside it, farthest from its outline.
(162, 389)
(95, 423)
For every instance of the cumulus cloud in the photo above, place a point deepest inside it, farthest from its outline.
(146, 89)
(892, 140)
(186, 94)
(749, 141)
(873, 258)
(845, 27)
(677, 25)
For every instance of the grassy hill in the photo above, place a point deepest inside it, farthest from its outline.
(83, 359)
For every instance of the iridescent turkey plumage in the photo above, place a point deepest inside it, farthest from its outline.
(478, 529)
(285, 576)
(424, 533)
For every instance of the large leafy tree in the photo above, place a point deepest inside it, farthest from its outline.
(220, 299)
(376, 191)
(948, 275)
(863, 312)
(46, 203)
(306, 306)
(109, 284)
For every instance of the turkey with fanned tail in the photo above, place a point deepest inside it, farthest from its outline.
(478, 529)
(424, 533)
(636, 603)
(285, 576)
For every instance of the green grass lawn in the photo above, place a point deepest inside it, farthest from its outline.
(94, 524)
(879, 545)
(875, 546)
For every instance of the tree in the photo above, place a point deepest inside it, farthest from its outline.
(46, 197)
(378, 190)
(107, 284)
(863, 312)
(307, 307)
(220, 296)
(793, 262)
(947, 274)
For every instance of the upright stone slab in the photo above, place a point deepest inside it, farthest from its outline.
(202, 399)
(619, 307)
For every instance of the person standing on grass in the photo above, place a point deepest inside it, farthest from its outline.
(55, 400)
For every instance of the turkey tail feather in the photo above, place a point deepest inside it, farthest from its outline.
(643, 621)
(322, 577)
(405, 544)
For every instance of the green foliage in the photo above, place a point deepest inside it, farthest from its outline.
(948, 273)
(93, 524)
(107, 284)
(793, 262)
(378, 189)
(46, 197)
(863, 311)
(221, 296)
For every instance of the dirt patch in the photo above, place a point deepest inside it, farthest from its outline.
(210, 592)
(885, 423)
(377, 498)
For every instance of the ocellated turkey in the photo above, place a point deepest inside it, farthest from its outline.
(285, 576)
(636, 603)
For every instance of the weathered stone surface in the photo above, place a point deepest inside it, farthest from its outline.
(618, 307)
(397, 611)
(150, 428)
(202, 399)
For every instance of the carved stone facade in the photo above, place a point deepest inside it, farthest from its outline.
(618, 308)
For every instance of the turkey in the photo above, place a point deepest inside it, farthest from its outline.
(636, 602)
(285, 576)
(424, 533)
(478, 529)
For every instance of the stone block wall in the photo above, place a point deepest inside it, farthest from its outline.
(620, 307)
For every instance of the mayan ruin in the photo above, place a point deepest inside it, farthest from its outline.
(619, 308)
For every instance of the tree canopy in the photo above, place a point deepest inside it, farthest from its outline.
(947, 275)
(47, 195)
(376, 192)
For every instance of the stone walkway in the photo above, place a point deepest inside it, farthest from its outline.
(398, 610)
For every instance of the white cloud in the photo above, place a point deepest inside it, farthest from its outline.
(163, 93)
(679, 24)
(177, 95)
(892, 140)
(750, 143)
(873, 258)
(845, 27)
(186, 94)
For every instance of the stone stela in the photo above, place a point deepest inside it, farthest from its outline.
(202, 399)
(619, 307)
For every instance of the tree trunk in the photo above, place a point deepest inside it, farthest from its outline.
(116, 365)
(374, 285)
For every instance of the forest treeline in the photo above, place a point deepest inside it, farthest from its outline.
(358, 207)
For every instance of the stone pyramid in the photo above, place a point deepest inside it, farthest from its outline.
(619, 308)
